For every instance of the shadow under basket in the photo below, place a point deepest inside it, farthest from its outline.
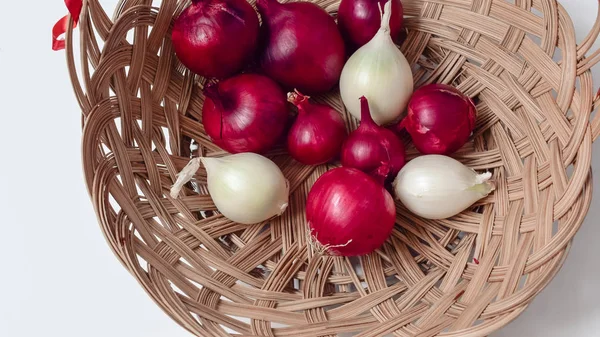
(464, 276)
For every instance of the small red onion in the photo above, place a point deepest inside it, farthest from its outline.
(371, 145)
(245, 113)
(215, 38)
(301, 46)
(318, 132)
(440, 119)
(359, 20)
(350, 213)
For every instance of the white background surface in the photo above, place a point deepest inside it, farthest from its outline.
(57, 274)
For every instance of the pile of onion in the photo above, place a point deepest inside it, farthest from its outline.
(215, 38)
(348, 209)
(440, 119)
(350, 213)
(245, 113)
(301, 46)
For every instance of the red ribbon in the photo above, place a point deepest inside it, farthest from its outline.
(74, 7)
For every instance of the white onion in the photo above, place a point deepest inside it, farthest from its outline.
(438, 187)
(380, 72)
(246, 188)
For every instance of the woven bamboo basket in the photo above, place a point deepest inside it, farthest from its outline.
(465, 276)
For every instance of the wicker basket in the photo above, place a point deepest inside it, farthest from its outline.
(465, 276)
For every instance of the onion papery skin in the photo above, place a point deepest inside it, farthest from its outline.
(440, 119)
(301, 46)
(349, 213)
(318, 132)
(216, 38)
(359, 21)
(371, 145)
(245, 113)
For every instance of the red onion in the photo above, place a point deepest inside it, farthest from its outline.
(215, 38)
(359, 20)
(318, 133)
(302, 47)
(371, 145)
(245, 113)
(440, 119)
(349, 213)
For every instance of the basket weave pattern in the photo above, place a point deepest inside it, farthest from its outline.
(465, 276)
